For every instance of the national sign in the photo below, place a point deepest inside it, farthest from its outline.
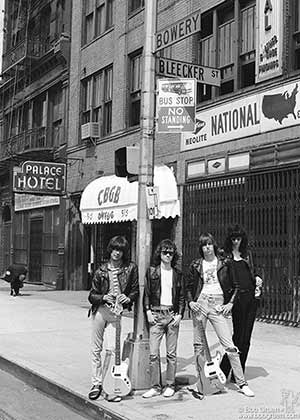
(247, 116)
(279, 106)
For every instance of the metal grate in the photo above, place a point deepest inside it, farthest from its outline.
(267, 205)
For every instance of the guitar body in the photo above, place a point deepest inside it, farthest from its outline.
(211, 376)
(116, 381)
(212, 369)
(207, 386)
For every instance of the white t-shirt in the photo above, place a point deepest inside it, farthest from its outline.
(166, 287)
(211, 285)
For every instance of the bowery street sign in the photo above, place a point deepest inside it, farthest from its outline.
(45, 178)
(176, 105)
(178, 31)
(174, 68)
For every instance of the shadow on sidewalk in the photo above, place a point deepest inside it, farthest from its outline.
(253, 372)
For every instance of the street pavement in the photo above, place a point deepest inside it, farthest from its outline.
(45, 340)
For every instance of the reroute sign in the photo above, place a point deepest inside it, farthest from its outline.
(47, 178)
(176, 105)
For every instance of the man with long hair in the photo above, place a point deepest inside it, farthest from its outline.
(164, 307)
(244, 310)
(211, 294)
(115, 281)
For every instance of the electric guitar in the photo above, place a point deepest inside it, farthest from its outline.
(212, 369)
(116, 381)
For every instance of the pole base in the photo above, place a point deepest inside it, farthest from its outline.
(138, 352)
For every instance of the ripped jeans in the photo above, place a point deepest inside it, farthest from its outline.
(209, 311)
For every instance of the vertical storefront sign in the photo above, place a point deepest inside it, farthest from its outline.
(269, 39)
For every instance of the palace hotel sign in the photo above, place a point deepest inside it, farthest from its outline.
(46, 178)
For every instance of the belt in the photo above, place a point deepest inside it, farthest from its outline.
(210, 297)
(162, 309)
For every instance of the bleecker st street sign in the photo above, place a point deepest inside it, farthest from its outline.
(174, 68)
(178, 31)
(45, 178)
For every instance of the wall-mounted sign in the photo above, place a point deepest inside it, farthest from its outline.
(176, 105)
(269, 39)
(153, 204)
(255, 114)
(45, 178)
(174, 68)
(33, 201)
(178, 31)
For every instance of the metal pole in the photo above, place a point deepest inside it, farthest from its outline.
(139, 355)
(144, 237)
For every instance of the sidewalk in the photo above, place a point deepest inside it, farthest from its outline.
(45, 339)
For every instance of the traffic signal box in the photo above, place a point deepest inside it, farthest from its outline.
(127, 162)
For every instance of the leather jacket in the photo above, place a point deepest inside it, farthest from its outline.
(249, 260)
(128, 281)
(152, 291)
(194, 280)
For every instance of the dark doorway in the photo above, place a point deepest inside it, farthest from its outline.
(6, 244)
(35, 251)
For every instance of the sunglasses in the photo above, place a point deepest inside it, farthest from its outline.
(165, 252)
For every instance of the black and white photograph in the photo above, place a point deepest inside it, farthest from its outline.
(149, 209)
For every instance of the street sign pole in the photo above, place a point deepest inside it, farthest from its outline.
(138, 345)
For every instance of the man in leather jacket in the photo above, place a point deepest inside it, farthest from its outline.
(211, 292)
(164, 304)
(115, 284)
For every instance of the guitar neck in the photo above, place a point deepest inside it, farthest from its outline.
(118, 341)
(203, 334)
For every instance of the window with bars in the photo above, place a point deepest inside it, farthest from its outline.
(97, 94)
(98, 17)
(135, 85)
(135, 5)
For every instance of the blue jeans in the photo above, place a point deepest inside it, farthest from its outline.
(163, 325)
(209, 311)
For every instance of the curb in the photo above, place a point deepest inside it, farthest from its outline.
(70, 398)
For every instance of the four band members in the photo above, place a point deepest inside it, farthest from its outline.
(216, 285)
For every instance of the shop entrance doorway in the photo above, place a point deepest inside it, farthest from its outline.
(35, 250)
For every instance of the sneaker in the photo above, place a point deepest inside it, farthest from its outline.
(95, 392)
(244, 389)
(196, 393)
(169, 392)
(153, 392)
(113, 398)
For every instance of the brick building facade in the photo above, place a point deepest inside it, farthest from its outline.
(240, 164)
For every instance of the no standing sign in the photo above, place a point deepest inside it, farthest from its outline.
(176, 105)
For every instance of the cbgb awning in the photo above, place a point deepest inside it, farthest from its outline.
(113, 199)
